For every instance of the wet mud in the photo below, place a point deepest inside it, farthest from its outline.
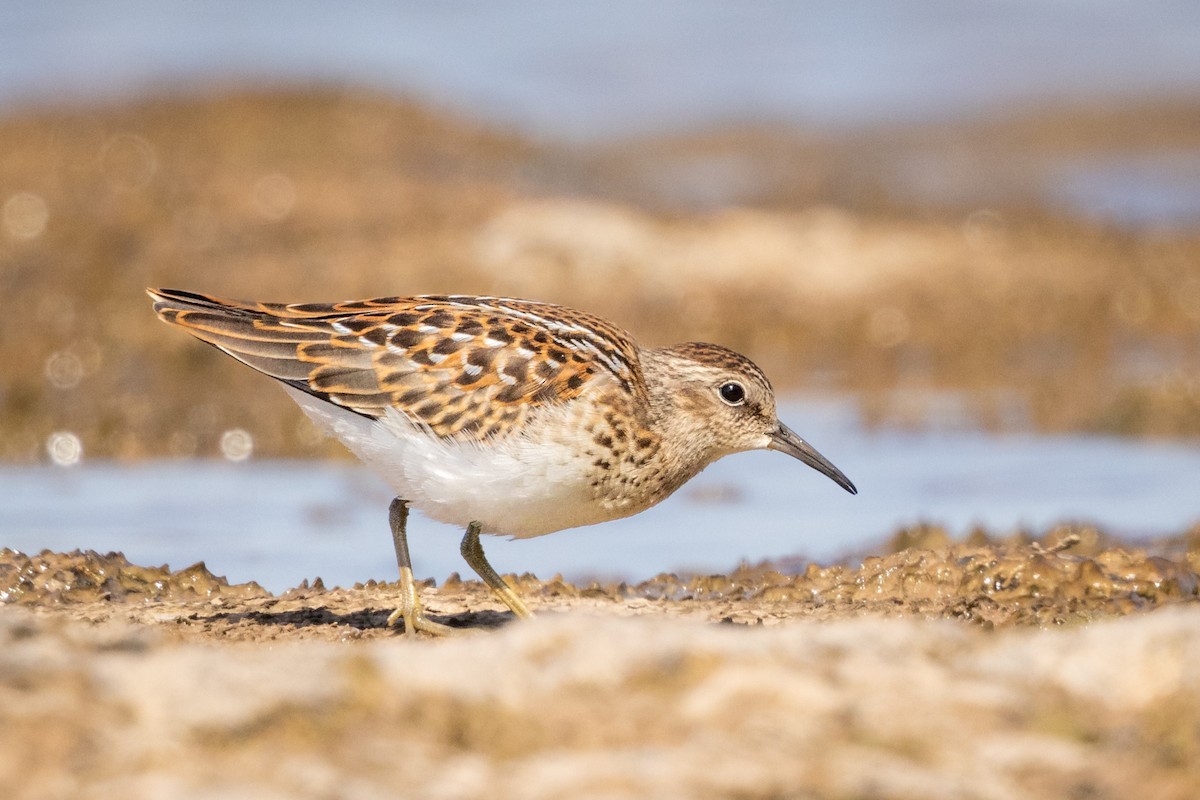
(1063, 666)
(1067, 575)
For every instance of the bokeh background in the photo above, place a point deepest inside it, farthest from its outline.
(997, 202)
(962, 238)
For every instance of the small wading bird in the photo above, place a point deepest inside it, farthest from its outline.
(504, 416)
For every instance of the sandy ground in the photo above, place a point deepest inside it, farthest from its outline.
(961, 671)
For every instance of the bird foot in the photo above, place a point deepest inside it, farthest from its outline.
(416, 622)
(413, 615)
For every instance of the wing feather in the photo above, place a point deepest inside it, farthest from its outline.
(460, 366)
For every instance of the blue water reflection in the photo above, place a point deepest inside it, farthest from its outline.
(585, 70)
(280, 522)
(579, 68)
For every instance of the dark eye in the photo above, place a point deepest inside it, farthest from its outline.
(733, 393)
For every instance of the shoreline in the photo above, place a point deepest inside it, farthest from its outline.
(1071, 576)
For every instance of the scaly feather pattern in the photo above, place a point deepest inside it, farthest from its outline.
(462, 367)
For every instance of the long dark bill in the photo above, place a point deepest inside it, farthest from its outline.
(785, 440)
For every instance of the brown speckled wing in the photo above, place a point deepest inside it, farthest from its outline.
(467, 367)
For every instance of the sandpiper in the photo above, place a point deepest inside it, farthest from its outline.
(501, 415)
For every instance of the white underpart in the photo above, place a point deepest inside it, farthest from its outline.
(517, 486)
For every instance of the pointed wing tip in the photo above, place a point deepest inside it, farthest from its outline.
(179, 295)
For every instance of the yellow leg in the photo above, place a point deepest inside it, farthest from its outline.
(410, 603)
(472, 552)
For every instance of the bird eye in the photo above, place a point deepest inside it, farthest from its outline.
(733, 393)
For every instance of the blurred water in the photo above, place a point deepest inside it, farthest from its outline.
(280, 522)
(581, 68)
(1146, 188)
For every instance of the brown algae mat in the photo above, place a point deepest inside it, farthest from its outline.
(1073, 574)
(972, 670)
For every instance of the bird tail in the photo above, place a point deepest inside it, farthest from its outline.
(254, 333)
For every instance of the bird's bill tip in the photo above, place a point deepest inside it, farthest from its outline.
(786, 441)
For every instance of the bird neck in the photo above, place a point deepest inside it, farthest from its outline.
(676, 415)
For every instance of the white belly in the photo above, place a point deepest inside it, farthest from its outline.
(515, 486)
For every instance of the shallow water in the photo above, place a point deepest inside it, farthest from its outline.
(583, 71)
(281, 522)
(1133, 190)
